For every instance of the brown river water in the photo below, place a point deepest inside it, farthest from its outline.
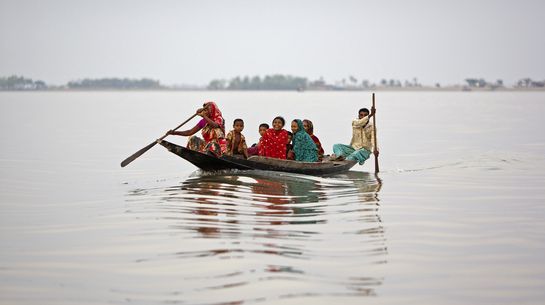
(456, 216)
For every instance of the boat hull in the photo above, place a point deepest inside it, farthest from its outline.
(208, 162)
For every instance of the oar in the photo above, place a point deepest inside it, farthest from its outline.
(143, 150)
(375, 135)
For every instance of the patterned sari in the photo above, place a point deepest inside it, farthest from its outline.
(214, 137)
(273, 144)
(303, 145)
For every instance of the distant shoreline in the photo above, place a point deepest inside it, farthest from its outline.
(378, 89)
(276, 82)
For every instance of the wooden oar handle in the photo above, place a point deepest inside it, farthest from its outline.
(166, 134)
(143, 150)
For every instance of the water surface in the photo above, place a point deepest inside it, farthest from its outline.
(456, 215)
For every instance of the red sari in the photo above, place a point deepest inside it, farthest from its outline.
(214, 137)
(318, 144)
(273, 144)
(315, 139)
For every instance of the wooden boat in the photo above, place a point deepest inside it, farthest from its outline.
(209, 162)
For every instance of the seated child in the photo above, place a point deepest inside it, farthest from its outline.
(236, 143)
(290, 155)
(254, 150)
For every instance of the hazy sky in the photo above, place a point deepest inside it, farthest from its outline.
(193, 42)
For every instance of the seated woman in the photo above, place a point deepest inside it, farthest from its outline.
(274, 141)
(213, 131)
(309, 128)
(303, 146)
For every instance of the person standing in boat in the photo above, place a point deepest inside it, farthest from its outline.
(236, 142)
(309, 128)
(274, 141)
(212, 125)
(303, 145)
(362, 143)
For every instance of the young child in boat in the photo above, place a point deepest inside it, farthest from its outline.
(254, 150)
(290, 155)
(236, 142)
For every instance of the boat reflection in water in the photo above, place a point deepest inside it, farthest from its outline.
(253, 236)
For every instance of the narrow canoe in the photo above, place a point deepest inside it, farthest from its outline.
(208, 162)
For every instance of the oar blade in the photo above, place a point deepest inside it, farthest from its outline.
(137, 154)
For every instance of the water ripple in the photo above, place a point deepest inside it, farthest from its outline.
(239, 232)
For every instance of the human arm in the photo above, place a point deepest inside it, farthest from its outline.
(229, 143)
(360, 122)
(244, 148)
(208, 120)
(186, 133)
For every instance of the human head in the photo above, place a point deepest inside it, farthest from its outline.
(309, 127)
(278, 123)
(363, 112)
(297, 126)
(263, 128)
(290, 136)
(294, 126)
(238, 125)
(211, 109)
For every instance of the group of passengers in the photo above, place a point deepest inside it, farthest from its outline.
(300, 144)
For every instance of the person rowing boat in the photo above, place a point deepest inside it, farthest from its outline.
(212, 125)
(362, 143)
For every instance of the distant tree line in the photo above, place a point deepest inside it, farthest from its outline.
(20, 83)
(269, 82)
(288, 82)
(529, 83)
(482, 83)
(522, 83)
(115, 83)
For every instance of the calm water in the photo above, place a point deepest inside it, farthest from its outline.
(457, 215)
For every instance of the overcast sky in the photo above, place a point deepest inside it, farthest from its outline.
(193, 42)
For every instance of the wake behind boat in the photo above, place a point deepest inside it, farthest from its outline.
(208, 162)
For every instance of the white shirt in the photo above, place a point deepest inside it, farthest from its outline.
(362, 134)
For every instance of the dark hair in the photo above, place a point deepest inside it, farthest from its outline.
(364, 110)
(310, 126)
(281, 119)
(290, 134)
(238, 120)
(264, 125)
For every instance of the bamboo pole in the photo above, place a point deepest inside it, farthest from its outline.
(375, 136)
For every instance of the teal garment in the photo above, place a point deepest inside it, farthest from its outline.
(347, 151)
(303, 145)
